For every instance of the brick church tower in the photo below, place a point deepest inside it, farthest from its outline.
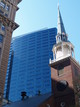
(8, 10)
(65, 70)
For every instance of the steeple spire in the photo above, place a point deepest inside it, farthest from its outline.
(60, 27)
(63, 48)
(61, 33)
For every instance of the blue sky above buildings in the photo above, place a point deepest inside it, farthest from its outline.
(39, 14)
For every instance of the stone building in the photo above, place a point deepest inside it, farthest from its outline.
(8, 10)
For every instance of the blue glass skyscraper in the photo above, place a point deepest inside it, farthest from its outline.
(28, 68)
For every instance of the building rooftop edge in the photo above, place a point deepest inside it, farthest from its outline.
(66, 58)
(38, 97)
(33, 32)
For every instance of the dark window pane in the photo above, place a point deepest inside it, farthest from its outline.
(1, 38)
(7, 8)
(2, 4)
(1, 12)
(60, 71)
(3, 28)
(6, 15)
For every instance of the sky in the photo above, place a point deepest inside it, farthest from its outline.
(35, 15)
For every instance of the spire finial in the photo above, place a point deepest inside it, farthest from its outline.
(61, 28)
(58, 4)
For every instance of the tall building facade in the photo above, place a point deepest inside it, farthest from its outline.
(8, 10)
(30, 71)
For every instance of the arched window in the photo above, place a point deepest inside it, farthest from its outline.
(64, 37)
(58, 39)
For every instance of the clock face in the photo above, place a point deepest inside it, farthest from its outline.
(62, 85)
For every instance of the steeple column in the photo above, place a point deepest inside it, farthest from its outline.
(74, 53)
(54, 54)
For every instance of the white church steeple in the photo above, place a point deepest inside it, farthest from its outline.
(63, 48)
